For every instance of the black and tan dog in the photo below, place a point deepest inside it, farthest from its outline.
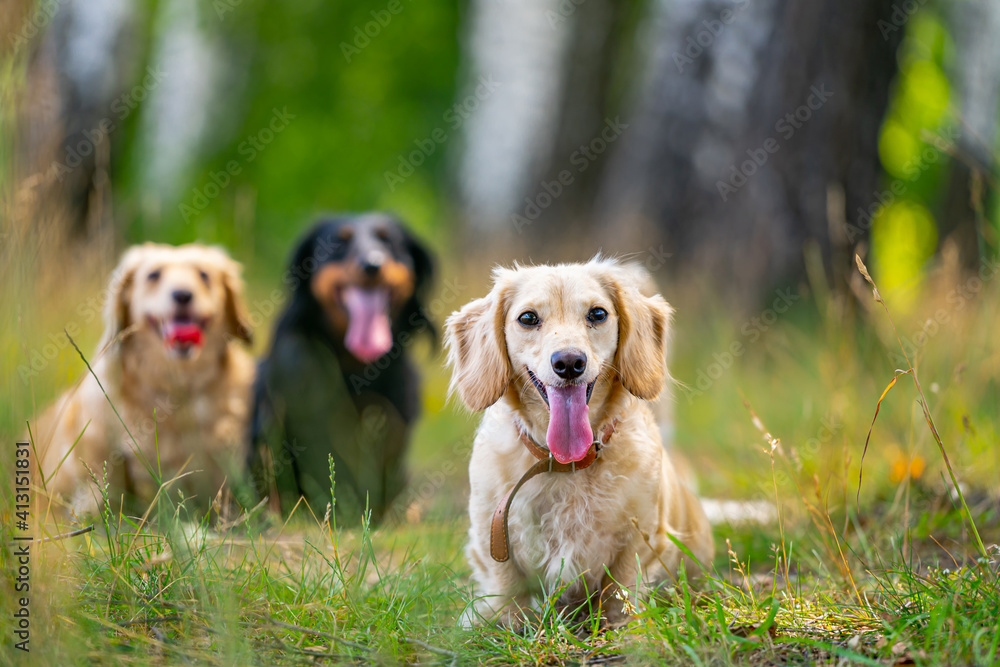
(337, 380)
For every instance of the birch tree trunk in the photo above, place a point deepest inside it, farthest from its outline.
(725, 144)
(977, 82)
(755, 118)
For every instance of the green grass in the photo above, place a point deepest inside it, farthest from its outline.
(882, 574)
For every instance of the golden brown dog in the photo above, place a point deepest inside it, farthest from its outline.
(564, 360)
(172, 364)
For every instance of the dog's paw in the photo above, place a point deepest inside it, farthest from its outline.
(512, 615)
(469, 619)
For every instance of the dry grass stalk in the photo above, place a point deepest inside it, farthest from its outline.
(912, 372)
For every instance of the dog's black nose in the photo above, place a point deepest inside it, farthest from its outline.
(569, 364)
(371, 262)
(182, 296)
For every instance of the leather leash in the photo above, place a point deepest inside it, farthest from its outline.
(499, 539)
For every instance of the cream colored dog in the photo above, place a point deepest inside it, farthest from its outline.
(172, 364)
(555, 355)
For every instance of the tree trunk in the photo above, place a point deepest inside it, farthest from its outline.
(977, 83)
(75, 70)
(744, 117)
(752, 112)
(527, 165)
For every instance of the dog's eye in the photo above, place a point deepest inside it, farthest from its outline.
(153, 276)
(204, 277)
(382, 233)
(597, 315)
(528, 319)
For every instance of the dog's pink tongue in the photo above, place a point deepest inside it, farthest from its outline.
(369, 335)
(570, 435)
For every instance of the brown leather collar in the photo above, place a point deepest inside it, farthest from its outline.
(499, 541)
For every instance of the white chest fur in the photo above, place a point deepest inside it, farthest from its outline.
(566, 528)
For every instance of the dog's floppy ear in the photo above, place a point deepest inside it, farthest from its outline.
(477, 350)
(236, 314)
(303, 261)
(423, 261)
(119, 291)
(413, 317)
(643, 331)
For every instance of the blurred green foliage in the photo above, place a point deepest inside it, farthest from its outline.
(917, 134)
(904, 234)
(358, 82)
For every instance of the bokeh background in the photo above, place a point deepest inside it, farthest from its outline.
(743, 151)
